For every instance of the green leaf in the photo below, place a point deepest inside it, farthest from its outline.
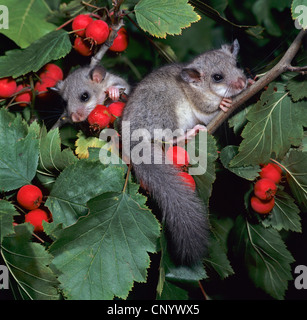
(162, 17)
(29, 264)
(297, 87)
(18, 153)
(106, 251)
(248, 172)
(298, 10)
(52, 46)
(285, 214)
(77, 184)
(218, 260)
(7, 211)
(27, 21)
(238, 121)
(265, 256)
(295, 164)
(275, 123)
(52, 160)
(204, 181)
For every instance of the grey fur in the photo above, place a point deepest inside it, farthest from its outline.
(180, 96)
(80, 81)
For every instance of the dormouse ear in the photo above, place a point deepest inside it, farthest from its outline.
(98, 74)
(232, 49)
(58, 87)
(190, 75)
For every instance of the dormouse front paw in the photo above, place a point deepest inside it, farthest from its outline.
(225, 104)
(113, 93)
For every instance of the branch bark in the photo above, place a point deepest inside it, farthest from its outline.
(282, 66)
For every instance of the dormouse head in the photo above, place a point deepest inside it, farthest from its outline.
(82, 91)
(216, 71)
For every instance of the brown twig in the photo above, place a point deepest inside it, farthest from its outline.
(282, 66)
(117, 23)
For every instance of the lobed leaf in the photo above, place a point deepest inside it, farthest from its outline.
(295, 164)
(285, 214)
(106, 251)
(18, 152)
(27, 21)
(29, 262)
(275, 123)
(161, 17)
(265, 256)
(77, 184)
(52, 46)
(7, 211)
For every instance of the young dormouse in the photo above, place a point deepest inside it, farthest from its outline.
(86, 87)
(181, 96)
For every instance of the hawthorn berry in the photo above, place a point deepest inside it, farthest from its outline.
(271, 171)
(120, 43)
(97, 31)
(188, 180)
(24, 98)
(82, 47)
(29, 197)
(36, 218)
(178, 156)
(7, 87)
(116, 110)
(42, 87)
(262, 207)
(99, 117)
(51, 70)
(80, 23)
(265, 189)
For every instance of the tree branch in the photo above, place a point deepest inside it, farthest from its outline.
(282, 66)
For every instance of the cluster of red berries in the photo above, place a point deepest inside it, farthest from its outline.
(102, 116)
(181, 159)
(49, 75)
(30, 198)
(92, 32)
(265, 188)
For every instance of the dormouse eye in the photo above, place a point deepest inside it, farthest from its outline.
(217, 77)
(84, 96)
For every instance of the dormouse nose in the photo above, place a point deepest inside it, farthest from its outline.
(239, 84)
(78, 116)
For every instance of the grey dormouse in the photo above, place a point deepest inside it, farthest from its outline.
(181, 96)
(84, 88)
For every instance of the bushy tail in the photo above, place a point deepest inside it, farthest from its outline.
(183, 212)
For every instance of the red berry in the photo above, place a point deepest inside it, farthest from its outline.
(99, 117)
(188, 180)
(120, 43)
(178, 156)
(29, 197)
(81, 22)
(51, 70)
(262, 207)
(271, 171)
(7, 87)
(41, 87)
(82, 47)
(98, 31)
(265, 189)
(25, 97)
(36, 218)
(116, 109)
